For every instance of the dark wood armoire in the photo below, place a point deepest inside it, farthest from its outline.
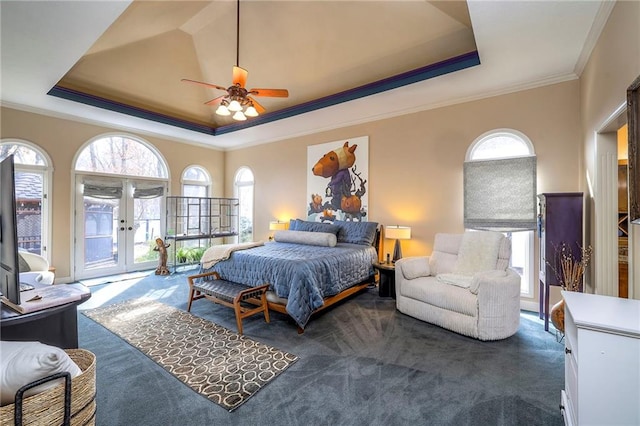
(559, 221)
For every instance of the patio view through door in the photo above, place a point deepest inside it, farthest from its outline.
(116, 227)
(117, 217)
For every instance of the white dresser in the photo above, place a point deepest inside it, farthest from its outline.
(602, 361)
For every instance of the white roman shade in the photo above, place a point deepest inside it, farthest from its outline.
(148, 190)
(104, 189)
(500, 195)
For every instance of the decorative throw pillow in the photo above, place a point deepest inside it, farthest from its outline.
(325, 239)
(356, 232)
(23, 265)
(25, 362)
(303, 225)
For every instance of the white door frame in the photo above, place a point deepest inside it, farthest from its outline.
(124, 229)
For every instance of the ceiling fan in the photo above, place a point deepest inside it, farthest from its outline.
(238, 100)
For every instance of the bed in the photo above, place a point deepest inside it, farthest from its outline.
(308, 267)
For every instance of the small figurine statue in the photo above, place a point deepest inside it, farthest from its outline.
(162, 261)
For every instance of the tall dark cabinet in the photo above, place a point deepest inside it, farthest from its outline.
(559, 221)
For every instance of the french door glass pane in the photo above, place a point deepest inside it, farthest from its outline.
(100, 232)
(146, 224)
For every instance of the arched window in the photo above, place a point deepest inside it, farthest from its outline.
(119, 204)
(121, 155)
(195, 182)
(33, 173)
(500, 192)
(243, 188)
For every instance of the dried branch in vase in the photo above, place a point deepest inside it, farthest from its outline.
(569, 270)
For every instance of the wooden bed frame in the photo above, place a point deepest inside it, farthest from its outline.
(329, 301)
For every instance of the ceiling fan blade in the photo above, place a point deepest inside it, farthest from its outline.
(215, 101)
(274, 93)
(256, 105)
(212, 86)
(240, 76)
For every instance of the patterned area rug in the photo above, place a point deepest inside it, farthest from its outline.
(221, 365)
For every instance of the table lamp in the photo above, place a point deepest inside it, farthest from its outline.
(397, 233)
(277, 226)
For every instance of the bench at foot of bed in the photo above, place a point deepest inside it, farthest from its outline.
(229, 294)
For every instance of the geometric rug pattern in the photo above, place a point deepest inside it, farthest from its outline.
(219, 364)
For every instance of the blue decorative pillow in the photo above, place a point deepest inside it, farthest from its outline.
(293, 224)
(303, 225)
(356, 232)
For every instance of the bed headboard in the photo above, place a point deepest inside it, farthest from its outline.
(377, 241)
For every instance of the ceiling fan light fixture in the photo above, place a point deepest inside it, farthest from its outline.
(234, 106)
(223, 110)
(251, 112)
(239, 116)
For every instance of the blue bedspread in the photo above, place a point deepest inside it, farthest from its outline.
(303, 274)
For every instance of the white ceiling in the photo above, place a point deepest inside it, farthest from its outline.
(522, 44)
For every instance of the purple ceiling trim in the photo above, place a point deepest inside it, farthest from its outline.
(447, 66)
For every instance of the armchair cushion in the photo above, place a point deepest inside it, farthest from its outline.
(489, 276)
(23, 265)
(38, 271)
(445, 253)
(414, 267)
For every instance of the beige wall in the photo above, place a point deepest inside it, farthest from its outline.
(415, 164)
(62, 139)
(613, 65)
(416, 161)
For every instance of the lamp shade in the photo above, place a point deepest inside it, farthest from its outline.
(398, 232)
(277, 226)
(223, 110)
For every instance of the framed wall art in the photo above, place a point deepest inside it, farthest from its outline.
(337, 180)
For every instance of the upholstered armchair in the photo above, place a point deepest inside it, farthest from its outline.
(34, 269)
(465, 286)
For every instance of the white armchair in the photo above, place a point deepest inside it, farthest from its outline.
(465, 285)
(34, 269)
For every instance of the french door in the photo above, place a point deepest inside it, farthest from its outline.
(116, 224)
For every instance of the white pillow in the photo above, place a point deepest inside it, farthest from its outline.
(24, 362)
(325, 239)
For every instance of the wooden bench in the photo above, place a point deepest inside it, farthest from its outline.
(229, 294)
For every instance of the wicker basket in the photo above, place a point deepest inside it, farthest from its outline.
(47, 408)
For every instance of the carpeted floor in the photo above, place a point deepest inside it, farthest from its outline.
(360, 363)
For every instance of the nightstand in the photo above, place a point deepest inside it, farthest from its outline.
(387, 280)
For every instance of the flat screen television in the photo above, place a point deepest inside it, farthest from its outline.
(9, 272)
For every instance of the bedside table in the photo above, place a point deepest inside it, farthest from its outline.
(387, 281)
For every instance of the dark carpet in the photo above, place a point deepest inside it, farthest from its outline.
(360, 363)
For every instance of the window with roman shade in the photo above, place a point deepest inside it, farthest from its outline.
(500, 183)
(500, 195)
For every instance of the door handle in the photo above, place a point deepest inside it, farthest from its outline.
(130, 228)
(122, 228)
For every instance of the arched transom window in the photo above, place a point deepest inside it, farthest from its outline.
(121, 155)
(195, 182)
